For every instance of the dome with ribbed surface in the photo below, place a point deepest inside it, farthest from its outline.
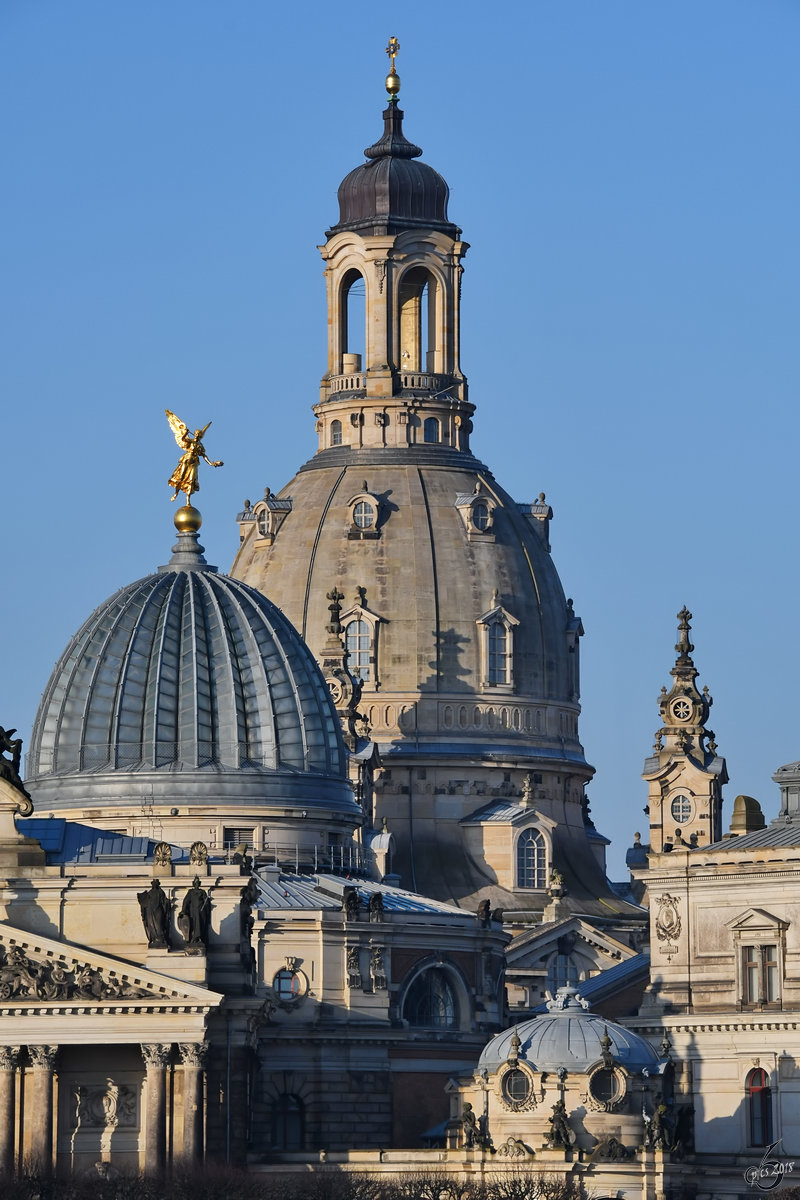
(187, 682)
(392, 190)
(568, 1036)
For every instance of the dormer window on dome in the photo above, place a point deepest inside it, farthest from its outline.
(496, 642)
(477, 511)
(365, 512)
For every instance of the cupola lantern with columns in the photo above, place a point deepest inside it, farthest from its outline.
(394, 241)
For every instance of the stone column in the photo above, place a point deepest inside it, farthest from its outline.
(39, 1112)
(193, 1057)
(9, 1060)
(156, 1058)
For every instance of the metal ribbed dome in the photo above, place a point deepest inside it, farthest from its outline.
(569, 1036)
(392, 189)
(188, 674)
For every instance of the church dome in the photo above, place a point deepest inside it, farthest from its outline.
(570, 1036)
(187, 686)
(393, 190)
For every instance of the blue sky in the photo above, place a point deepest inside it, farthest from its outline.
(627, 175)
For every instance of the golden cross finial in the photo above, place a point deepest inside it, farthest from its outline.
(392, 49)
(392, 79)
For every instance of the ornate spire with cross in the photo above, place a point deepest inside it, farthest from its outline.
(392, 79)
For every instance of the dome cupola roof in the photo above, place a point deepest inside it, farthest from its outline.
(188, 681)
(570, 1036)
(393, 190)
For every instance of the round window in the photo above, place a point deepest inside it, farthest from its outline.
(516, 1086)
(681, 710)
(681, 809)
(364, 515)
(288, 985)
(604, 1086)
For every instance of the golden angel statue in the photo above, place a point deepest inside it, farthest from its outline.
(184, 477)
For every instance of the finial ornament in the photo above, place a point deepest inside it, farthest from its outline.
(392, 79)
(184, 477)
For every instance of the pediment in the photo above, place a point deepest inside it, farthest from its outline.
(527, 950)
(756, 920)
(41, 972)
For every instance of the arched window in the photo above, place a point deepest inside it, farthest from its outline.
(562, 971)
(336, 433)
(431, 429)
(531, 860)
(431, 1002)
(288, 1124)
(498, 653)
(358, 642)
(759, 1103)
(480, 515)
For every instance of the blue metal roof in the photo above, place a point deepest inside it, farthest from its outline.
(71, 842)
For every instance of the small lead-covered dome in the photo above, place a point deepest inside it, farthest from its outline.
(392, 189)
(570, 1036)
(187, 684)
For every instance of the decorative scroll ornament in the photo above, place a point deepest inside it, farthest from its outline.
(162, 855)
(29, 978)
(668, 921)
(514, 1147)
(109, 1107)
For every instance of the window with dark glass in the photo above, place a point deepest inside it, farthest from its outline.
(358, 638)
(431, 1002)
(287, 1124)
(480, 515)
(498, 653)
(760, 975)
(516, 1086)
(431, 429)
(562, 971)
(531, 860)
(604, 1085)
(759, 1103)
(336, 433)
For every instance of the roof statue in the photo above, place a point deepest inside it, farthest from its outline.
(184, 477)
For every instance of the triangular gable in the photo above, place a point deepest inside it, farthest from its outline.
(40, 971)
(527, 949)
(756, 920)
(508, 812)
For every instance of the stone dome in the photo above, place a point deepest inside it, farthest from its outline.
(187, 686)
(570, 1036)
(392, 189)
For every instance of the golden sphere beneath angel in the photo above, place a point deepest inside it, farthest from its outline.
(188, 519)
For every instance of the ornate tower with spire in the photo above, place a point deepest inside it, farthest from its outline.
(685, 774)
